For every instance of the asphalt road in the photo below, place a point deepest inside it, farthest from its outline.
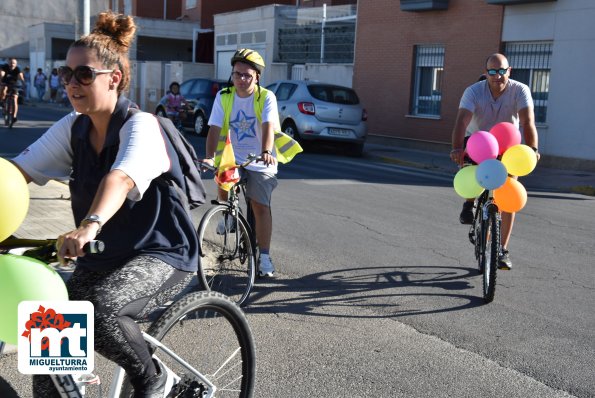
(377, 292)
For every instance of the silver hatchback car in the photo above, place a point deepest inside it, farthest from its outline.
(311, 110)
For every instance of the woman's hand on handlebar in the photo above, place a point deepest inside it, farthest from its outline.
(71, 245)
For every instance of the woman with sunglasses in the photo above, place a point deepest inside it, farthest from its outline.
(113, 160)
(496, 99)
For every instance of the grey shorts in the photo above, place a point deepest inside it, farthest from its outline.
(260, 186)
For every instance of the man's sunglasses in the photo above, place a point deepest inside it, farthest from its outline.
(83, 74)
(494, 72)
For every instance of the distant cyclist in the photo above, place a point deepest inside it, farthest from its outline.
(174, 102)
(9, 77)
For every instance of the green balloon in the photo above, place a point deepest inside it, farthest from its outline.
(465, 183)
(24, 279)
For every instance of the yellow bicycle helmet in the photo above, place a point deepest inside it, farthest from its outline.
(249, 57)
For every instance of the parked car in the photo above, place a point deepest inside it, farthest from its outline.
(315, 111)
(200, 94)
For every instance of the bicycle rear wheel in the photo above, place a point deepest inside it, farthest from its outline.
(228, 258)
(211, 333)
(490, 256)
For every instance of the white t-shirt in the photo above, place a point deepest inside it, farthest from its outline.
(142, 154)
(244, 130)
(488, 111)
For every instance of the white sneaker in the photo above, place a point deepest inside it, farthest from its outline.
(221, 225)
(265, 266)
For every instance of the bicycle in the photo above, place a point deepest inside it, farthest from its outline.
(8, 107)
(219, 359)
(484, 234)
(228, 243)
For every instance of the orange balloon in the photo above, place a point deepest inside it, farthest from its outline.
(511, 197)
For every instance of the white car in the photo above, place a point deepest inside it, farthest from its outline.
(315, 111)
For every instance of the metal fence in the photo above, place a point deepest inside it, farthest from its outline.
(316, 35)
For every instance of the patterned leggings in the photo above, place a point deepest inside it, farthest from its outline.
(120, 296)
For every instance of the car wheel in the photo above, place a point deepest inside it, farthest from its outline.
(161, 112)
(200, 124)
(356, 150)
(291, 130)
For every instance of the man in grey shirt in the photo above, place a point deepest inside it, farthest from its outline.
(484, 104)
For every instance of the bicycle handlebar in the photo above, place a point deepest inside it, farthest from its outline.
(91, 247)
(251, 158)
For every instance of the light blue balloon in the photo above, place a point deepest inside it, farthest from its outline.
(491, 174)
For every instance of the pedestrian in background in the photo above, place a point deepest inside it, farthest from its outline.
(39, 81)
(54, 85)
(27, 87)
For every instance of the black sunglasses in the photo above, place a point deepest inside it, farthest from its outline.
(501, 71)
(83, 74)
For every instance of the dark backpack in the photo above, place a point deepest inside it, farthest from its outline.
(193, 193)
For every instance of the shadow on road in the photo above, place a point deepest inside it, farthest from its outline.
(380, 291)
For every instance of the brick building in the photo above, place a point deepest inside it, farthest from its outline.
(450, 45)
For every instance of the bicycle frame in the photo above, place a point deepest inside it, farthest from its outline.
(9, 106)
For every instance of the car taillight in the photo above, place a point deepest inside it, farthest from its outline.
(215, 89)
(307, 108)
(364, 115)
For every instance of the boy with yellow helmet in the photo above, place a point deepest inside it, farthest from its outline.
(248, 114)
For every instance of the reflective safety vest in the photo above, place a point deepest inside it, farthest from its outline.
(285, 147)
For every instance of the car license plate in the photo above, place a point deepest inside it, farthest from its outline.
(339, 132)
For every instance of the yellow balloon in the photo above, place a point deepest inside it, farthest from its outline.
(14, 198)
(519, 160)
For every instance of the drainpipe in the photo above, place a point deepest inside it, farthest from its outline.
(322, 33)
(86, 18)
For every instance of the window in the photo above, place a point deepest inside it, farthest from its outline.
(190, 4)
(427, 80)
(530, 62)
(285, 91)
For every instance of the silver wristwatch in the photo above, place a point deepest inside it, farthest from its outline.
(93, 218)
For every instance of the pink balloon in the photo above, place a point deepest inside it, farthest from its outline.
(482, 146)
(507, 135)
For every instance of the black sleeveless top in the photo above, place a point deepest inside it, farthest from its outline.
(158, 225)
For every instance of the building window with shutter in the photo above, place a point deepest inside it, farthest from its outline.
(530, 63)
(427, 80)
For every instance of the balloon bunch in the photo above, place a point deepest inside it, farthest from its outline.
(498, 154)
(21, 278)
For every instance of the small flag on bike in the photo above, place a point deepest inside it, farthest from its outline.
(227, 174)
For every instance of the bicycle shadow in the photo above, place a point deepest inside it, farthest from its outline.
(385, 290)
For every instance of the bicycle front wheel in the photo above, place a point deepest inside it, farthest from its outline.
(490, 256)
(9, 112)
(228, 259)
(211, 334)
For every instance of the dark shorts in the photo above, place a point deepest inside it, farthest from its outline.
(260, 186)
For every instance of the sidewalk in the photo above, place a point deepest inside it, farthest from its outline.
(540, 179)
